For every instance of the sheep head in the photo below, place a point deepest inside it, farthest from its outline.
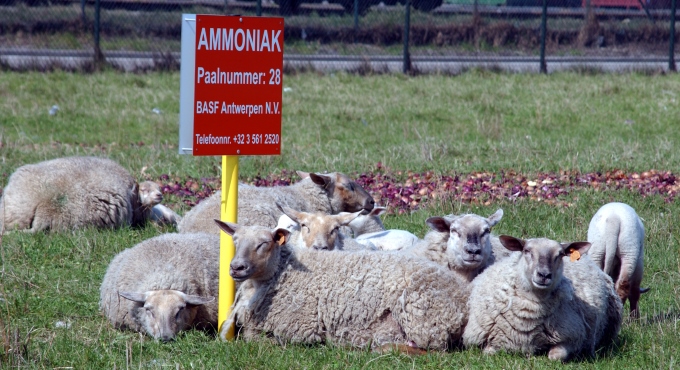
(318, 230)
(257, 255)
(365, 221)
(164, 313)
(541, 263)
(468, 246)
(150, 194)
(344, 194)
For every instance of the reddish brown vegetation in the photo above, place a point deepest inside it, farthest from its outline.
(405, 191)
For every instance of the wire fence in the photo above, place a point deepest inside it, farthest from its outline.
(358, 35)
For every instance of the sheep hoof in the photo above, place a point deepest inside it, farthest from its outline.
(558, 353)
(489, 350)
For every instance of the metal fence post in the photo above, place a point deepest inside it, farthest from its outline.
(671, 53)
(258, 8)
(98, 55)
(82, 11)
(544, 21)
(407, 27)
(356, 17)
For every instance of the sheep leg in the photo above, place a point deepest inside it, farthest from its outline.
(558, 352)
(634, 292)
(490, 350)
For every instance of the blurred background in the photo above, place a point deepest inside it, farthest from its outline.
(355, 35)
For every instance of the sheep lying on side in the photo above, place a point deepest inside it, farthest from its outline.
(617, 236)
(461, 243)
(328, 193)
(366, 223)
(75, 192)
(318, 231)
(539, 300)
(369, 230)
(163, 285)
(359, 299)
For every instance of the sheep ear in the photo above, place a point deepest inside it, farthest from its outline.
(281, 236)
(227, 227)
(495, 218)
(346, 218)
(377, 211)
(293, 214)
(580, 248)
(135, 297)
(511, 243)
(439, 223)
(321, 180)
(303, 174)
(197, 300)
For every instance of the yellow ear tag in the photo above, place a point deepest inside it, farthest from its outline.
(281, 240)
(575, 256)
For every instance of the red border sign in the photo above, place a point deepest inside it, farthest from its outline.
(238, 85)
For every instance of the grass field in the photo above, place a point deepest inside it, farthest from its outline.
(478, 121)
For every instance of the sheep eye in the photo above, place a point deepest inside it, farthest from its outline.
(485, 232)
(261, 245)
(454, 232)
(350, 186)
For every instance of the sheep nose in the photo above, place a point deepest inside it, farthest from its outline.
(544, 275)
(370, 204)
(238, 266)
(166, 337)
(320, 247)
(473, 250)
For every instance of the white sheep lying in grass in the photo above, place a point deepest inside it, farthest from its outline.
(164, 285)
(538, 300)
(360, 299)
(75, 192)
(369, 230)
(617, 237)
(328, 193)
(318, 231)
(460, 243)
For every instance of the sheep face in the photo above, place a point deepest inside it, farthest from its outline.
(164, 313)
(541, 263)
(256, 255)
(319, 231)
(468, 246)
(359, 224)
(150, 193)
(345, 195)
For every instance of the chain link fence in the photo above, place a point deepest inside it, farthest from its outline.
(356, 35)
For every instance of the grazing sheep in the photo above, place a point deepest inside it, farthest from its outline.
(318, 231)
(360, 299)
(617, 236)
(461, 243)
(538, 300)
(328, 193)
(75, 192)
(164, 285)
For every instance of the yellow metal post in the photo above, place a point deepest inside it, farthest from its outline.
(228, 213)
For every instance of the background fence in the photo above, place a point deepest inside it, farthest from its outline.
(359, 35)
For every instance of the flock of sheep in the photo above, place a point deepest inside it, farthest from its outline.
(314, 264)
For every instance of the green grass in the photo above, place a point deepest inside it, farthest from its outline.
(478, 121)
